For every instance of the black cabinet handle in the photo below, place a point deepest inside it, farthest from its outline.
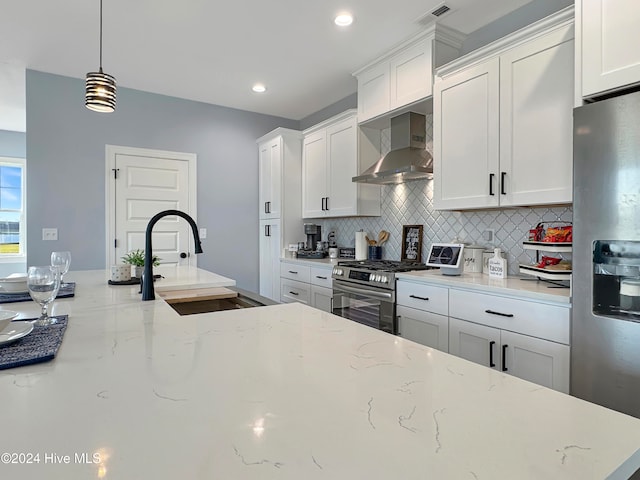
(294, 293)
(322, 204)
(491, 344)
(321, 278)
(491, 175)
(398, 317)
(504, 358)
(326, 203)
(266, 230)
(291, 271)
(266, 210)
(510, 315)
(502, 175)
(419, 298)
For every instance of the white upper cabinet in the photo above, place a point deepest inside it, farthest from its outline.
(404, 75)
(607, 44)
(270, 182)
(503, 121)
(333, 152)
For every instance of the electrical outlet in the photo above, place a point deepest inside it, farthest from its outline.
(49, 234)
(488, 234)
(203, 233)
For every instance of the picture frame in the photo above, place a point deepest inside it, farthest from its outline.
(412, 243)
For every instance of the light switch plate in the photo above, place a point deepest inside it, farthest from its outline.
(203, 233)
(49, 234)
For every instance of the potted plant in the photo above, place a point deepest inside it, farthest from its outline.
(136, 259)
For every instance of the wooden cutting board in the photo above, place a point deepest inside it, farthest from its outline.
(197, 294)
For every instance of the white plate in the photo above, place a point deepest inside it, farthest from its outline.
(15, 331)
(19, 292)
(7, 315)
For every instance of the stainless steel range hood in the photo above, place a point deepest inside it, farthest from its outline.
(408, 159)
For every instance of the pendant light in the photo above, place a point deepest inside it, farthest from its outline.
(100, 93)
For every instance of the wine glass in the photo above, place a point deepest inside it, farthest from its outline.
(62, 260)
(43, 284)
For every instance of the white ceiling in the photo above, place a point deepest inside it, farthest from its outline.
(214, 52)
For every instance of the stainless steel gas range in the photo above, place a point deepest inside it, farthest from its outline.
(365, 291)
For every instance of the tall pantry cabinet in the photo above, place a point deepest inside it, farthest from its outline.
(280, 200)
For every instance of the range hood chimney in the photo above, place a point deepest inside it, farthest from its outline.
(408, 159)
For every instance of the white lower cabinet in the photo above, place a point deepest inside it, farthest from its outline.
(306, 284)
(522, 337)
(422, 327)
(536, 360)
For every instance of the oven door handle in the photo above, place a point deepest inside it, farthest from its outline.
(362, 291)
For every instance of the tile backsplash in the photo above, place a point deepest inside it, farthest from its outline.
(411, 203)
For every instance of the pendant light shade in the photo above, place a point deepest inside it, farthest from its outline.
(100, 94)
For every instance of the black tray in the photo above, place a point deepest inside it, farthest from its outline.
(133, 281)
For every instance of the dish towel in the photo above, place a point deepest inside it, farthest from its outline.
(41, 345)
(67, 290)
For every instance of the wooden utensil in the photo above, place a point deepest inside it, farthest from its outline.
(383, 237)
(369, 241)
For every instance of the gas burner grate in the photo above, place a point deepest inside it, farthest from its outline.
(384, 265)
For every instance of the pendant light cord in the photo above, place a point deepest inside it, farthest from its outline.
(100, 35)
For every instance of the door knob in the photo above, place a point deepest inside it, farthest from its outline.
(183, 255)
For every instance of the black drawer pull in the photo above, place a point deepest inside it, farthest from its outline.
(294, 293)
(321, 278)
(291, 271)
(419, 298)
(491, 344)
(504, 358)
(502, 175)
(499, 313)
(266, 210)
(491, 175)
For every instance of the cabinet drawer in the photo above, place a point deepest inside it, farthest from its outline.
(295, 271)
(539, 320)
(293, 291)
(321, 277)
(423, 297)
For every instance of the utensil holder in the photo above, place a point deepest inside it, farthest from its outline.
(375, 252)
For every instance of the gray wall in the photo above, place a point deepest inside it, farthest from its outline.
(66, 168)
(13, 144)
(520, 18)
(334, 109)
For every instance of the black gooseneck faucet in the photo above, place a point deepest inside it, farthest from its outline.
(148, 292)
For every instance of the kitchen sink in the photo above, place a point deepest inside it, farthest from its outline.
(204, 300)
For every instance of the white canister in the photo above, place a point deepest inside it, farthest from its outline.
(120, 273)
(473, 258)
(333, 252)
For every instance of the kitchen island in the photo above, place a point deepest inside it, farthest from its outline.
(286, 391)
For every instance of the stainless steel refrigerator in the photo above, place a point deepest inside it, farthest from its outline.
(605, 327)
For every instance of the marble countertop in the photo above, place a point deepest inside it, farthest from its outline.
(524, 287)
(282, 392)
(315, 262)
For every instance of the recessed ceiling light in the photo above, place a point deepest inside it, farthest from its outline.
(259, 88)
(344, 20)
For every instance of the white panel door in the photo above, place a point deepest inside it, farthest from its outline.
(465, 138)
(144, 187)
(474, 342)
(538, 361)
(536, 121)
(610, 39)
(342, 153)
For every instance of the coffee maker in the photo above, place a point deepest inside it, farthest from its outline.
(314, 247)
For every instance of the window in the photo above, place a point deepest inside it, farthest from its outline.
(12, 198)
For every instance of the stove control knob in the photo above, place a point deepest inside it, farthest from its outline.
(384, 279)
(376, 277)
